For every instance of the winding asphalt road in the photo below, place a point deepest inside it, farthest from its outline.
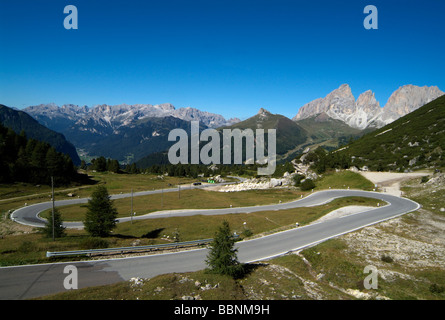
(22, 282)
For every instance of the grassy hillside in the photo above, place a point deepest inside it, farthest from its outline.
(289, 135)
(414, 141)
(21, 121)
(327, 132)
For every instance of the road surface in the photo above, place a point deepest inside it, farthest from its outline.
(22, 282)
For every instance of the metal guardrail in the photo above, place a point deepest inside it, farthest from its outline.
(129, 249)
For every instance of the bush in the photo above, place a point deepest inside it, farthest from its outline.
(435, 288)
(307, 184)
(424, 179)
(247, 233)
(387, 258)
(297, 179)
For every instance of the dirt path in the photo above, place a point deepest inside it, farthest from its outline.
(389, 182)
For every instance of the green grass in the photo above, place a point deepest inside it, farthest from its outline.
(345, 270)
(155, 231)
(432, 201)
(418, 135)
(343, 180)
(163, 287)
(14, 196)
(190, 228)
(190, 199)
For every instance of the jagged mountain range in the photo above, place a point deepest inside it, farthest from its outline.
(111, 118)
(366, 112)
(122, 132)
(130, 132)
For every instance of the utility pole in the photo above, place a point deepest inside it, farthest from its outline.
(52, 191)
(131, 212)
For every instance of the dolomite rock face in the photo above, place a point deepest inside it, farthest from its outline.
(407, 99)
(339, 104)
(366, 111)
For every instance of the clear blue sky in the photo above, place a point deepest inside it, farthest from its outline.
(228, 57)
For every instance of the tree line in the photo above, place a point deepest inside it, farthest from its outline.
(32, 161)
(102, 164)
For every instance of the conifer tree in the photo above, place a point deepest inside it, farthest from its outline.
(101, 214)
(59, 229)
(222, 258)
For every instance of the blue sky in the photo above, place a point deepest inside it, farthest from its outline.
(227, 57)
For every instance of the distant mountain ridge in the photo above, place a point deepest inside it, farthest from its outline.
(365, 112)
(289, 137)
(113, 117)
(123, 132)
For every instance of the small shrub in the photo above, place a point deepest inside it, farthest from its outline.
(424, 179)
(435, 288)
(387, 258)
(297, 179)
(247, 233)
(307, 184)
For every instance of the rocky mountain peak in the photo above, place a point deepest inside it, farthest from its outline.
(344, 89)
(366, 111)
(263, 112)
(338, 104)
(409, 98)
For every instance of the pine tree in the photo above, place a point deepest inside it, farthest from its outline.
(59, 229)
(99, 164)
(101, 214)
(222, 258)
(113, 165)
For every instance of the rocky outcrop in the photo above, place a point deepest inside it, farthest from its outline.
(338, 104)
(256, 184)
(366, 112)
(407, 99)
